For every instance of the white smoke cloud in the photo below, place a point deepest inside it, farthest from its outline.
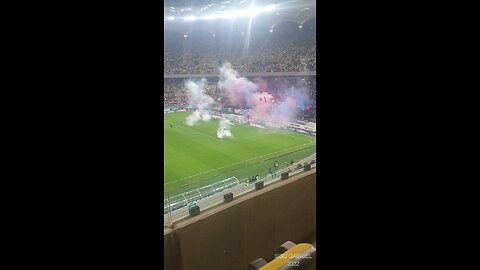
(245, 94)
(200, 100)
(239, 89)
(223, 130)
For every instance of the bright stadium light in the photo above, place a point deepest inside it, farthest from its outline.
(223, 15)
(252, 11)
(190, 18)
(269, 8)
(170, 18)
(232, 14)
(185, 36)
(209, 17)
(271, 30)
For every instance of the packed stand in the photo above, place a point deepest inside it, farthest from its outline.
(175, 93)
(291, 59)
(287, 49)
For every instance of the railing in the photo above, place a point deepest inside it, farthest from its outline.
(172, 203)
(178, 200)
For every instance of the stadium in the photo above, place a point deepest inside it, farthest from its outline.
(239, 134)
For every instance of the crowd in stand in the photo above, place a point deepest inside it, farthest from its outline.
(175, 93)
(280, 59)
(282, 51)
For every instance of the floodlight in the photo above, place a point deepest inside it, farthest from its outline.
(252, 11)
(230, 14)
(269, 8)
(209, 17)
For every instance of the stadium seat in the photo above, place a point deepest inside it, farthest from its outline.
(228, 197)
(284, 247)
(300, 257)
(194, 210)
(307, 167)
(257, 264)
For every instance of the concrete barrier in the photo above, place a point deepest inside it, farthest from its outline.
(232, 235)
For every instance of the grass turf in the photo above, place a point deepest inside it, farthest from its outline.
(195, 157)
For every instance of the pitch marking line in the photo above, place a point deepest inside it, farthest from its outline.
(171, 182)
(290, 135)
(199, 132)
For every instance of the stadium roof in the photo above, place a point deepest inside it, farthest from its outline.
(190, 15)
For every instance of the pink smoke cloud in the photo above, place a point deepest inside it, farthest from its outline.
(243, 93)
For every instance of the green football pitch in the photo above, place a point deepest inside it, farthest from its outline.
(195, 157)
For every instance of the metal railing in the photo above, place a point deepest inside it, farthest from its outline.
(176, 202)
(172, 203)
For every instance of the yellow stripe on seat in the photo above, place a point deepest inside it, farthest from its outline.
(285, 257)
